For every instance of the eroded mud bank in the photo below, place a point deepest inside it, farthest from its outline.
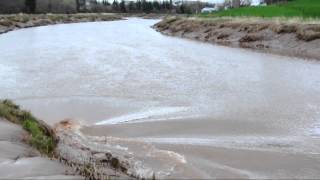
(19, 21)
(23, 155)
(292, 38)
(19, 160)
(85, 156)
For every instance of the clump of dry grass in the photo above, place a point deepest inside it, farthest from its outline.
(308, 35)
(250, 38)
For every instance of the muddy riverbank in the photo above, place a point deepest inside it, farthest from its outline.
(19, 160)
(19, 21)
(18, 156)
(25, 152)
(285, 37)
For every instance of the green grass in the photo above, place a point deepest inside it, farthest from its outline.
(293, 8)
(39, 138)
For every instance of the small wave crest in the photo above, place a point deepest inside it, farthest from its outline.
(143, 115)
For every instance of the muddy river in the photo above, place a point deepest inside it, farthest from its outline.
(217, 111)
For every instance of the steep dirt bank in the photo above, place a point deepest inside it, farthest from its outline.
(90, 158)
(19, 160)
(24, 140)
(19, 21)
(292, 38)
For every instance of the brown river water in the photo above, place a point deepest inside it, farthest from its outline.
(212, 111)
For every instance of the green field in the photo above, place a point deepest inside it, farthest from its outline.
(293, 8)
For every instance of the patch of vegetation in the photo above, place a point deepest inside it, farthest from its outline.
(293, 8)
(38, 139)
(12, 112)
(39, 136)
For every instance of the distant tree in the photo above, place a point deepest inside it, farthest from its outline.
(50, 6)
(78, 5)
(94, 2)
(144, 5)
(139, 5)
(181, 9)
(149, 6)
(123, 6)
(131, 6)
(115, 5)
(31, 6)
(105, 3)
(184, 9)
(163, 5)
(167, 5)
(156, 5)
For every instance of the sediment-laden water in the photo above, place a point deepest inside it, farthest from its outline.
(181, 108)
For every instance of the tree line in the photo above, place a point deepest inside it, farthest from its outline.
(131, 6)
(73, 6)
(30, 6)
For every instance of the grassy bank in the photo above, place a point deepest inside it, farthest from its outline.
(39, 137)
(293, 8)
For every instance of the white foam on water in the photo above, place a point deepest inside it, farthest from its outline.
(121, 148)
(143, 115)
(178, 156)
(142, 156)
(6, 162)
(316, 131)
(249, 174)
